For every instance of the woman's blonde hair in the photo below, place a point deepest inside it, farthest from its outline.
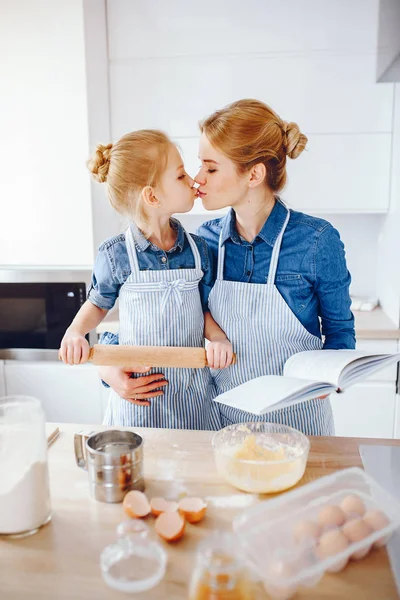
(137, 160)
(250, 132)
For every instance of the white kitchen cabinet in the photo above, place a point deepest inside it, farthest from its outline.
(175, 28)
(2, 381)
(366, 410)
(68, 394)
(381, 347)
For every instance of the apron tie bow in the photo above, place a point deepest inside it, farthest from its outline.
(172, 289)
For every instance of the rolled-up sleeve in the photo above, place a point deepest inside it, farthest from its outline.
(109, 339)
(332, 284)
(104, 288)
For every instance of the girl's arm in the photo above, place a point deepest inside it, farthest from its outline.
(219, 350)
(74, 346)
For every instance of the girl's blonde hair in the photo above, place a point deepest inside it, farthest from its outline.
(137, 160)
(250, 132)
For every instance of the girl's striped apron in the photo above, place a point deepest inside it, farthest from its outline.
(163, 308)
(264, 333)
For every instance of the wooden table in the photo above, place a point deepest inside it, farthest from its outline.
(62, 559)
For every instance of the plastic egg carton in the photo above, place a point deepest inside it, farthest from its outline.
(271, 532)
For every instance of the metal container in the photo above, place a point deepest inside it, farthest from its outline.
(114, 461)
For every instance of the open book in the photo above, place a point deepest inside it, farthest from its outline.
(306, 375)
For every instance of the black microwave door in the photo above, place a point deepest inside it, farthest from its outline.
(62, 305)
(36, 315)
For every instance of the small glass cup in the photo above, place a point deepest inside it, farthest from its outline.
(220, 570)
(24, 479)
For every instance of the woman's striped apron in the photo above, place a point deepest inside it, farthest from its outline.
(163, 308)
(264, 333)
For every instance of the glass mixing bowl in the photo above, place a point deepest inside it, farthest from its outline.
(261, 457)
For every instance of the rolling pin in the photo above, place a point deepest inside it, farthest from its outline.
(150, 356)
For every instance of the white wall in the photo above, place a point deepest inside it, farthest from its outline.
(45, 214)
(171, 64)
(389, 241)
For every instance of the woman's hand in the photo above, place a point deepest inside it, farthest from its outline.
(133, 390)
(74, 348)
(219, 354)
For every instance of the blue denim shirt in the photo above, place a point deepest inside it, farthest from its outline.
(112, 267)
(312, 275)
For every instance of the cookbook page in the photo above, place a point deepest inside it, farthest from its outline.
(321, 365)
(260, 395)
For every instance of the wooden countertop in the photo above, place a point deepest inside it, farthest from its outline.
(373, 325)
(62, 560)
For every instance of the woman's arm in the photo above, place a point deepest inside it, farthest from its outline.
(332, 283)
(135, 390)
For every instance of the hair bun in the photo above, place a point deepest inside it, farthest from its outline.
(99, 164)
(294, 141)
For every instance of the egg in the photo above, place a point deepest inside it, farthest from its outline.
(355, 531)
(377, 520)
(307, 531)
(331, 543)
(279, 570)
(352, 505)
(331, 516)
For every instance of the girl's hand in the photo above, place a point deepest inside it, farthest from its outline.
(74, 348)
(135, 390)
(219, 354)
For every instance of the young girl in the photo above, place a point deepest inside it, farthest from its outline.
(162, 276)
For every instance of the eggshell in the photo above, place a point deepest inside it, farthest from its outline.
(136, 504)
(355, 531)
(160, 505)
(170, 526)
(193, 509)
(353, 505)
(331, 516)
(331, 543)
(377, 520)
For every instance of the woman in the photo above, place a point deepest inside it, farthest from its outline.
(281, 276)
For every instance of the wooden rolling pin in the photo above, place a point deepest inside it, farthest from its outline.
(150, 356)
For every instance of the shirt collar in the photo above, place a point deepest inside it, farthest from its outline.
(269, 231)
(142, 243)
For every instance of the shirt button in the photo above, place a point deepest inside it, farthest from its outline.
(164, 259)
(251, 248)
(248, 272)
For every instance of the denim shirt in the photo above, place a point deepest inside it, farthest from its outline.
(312, 275)
(112, 266)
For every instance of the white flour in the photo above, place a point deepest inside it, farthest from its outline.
(25, 504)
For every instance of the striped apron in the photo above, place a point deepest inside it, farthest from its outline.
(163, 308)
(264, 333)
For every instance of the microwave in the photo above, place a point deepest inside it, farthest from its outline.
(37, 306)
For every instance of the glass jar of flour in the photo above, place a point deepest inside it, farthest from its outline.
(24, 481)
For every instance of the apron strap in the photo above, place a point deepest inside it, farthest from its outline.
(275, 252)
(132, 254)
(195, 250)
(274, 258)
(221, 258)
